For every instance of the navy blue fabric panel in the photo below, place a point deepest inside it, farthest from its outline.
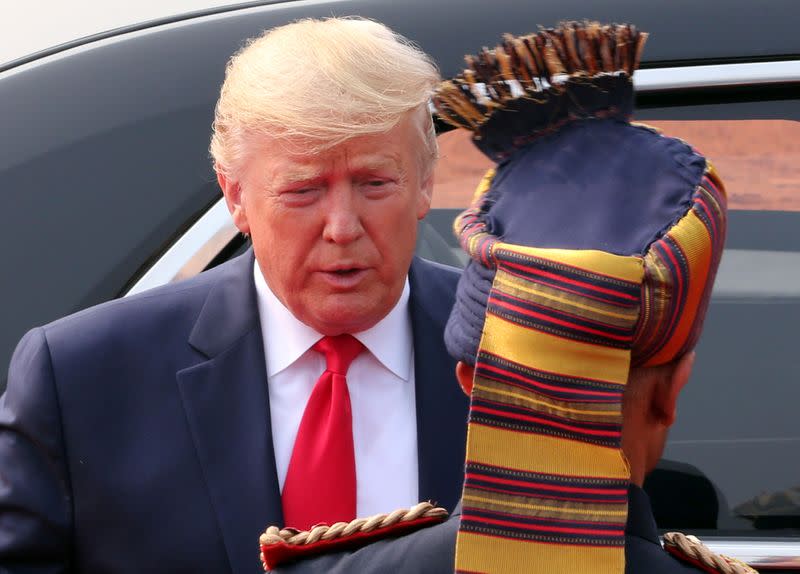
(594, 184)
(465, 326)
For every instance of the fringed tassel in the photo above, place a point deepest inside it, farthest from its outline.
(528, 66)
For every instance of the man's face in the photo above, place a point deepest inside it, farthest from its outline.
(334, 233)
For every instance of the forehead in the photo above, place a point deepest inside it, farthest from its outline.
(393, 150)
(289, 168)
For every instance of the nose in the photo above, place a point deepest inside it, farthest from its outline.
(342, 218)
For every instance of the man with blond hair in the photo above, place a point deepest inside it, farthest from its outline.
(305, 381)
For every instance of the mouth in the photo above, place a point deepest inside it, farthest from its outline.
(343, 268)
(344, 277)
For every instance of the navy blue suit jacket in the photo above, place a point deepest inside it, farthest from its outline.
(135, 436)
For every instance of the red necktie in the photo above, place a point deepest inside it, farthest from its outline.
(320, 483)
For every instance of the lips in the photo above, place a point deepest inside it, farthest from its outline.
(343, 277)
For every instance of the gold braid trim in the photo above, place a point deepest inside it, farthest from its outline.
(696, 550)
(275, 535)
(529, 66)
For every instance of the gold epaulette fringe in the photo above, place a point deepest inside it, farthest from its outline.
(533, 64)
(281, 545)
(293, 537)
(692, 550)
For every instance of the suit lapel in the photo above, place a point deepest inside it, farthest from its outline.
(441, 406)
(227, 406)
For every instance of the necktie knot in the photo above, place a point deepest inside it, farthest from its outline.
(339, 351)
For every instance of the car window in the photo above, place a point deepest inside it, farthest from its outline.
(731, 464)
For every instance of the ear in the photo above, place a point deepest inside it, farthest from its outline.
(425, 196)
(466, 375)
(232, 190)
(671, 388)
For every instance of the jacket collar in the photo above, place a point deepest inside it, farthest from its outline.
(441, 405)
(230, 310)
(226, 403)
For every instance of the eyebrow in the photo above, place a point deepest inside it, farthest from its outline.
(302, 173)
(299, 174)
(376, 162)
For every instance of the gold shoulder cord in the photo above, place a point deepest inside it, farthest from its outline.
(693, 548)
(275, 535)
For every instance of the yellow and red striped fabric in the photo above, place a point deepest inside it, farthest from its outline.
(679, 275)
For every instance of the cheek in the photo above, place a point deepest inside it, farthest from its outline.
(285, 230)
(283, 267)
(282, 244)
(395, 233)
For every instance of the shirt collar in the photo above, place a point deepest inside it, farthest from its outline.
(286, 338)
(390, 339)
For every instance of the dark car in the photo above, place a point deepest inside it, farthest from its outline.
(106, 189)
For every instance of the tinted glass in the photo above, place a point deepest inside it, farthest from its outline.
(731, 464)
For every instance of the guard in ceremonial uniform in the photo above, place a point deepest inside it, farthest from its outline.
(593, 249)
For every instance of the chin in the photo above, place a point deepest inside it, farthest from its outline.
(347, 320)
(334, 313)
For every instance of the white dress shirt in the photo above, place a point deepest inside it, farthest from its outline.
(381, 385)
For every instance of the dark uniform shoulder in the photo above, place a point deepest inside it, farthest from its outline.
(648, 557)
(680, 554)
(381, 543)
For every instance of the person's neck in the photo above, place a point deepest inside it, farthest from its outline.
(637, 454)
(637, 473)
(642, 445)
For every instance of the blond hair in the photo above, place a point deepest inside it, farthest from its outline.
(322, 82)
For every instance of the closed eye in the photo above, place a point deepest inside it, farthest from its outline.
(300, 196)
(377, 187)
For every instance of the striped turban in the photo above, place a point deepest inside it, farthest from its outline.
(593, 248)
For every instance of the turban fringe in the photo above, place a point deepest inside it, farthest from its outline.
(532, 85)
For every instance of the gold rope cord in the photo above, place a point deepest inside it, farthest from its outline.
(275, 535)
